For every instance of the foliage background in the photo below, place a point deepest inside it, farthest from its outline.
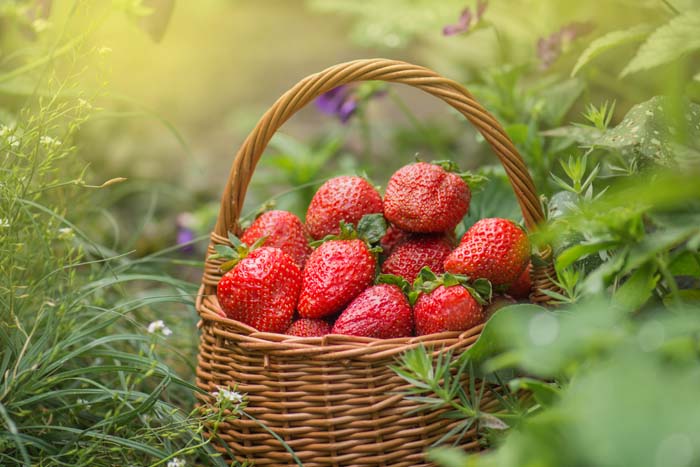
(600, 97)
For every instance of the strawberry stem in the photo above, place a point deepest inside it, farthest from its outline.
(234, 254)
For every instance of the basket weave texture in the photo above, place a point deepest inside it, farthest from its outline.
(334, 399)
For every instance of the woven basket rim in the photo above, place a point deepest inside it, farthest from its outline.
(207, 314)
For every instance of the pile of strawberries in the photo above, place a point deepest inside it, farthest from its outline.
(373, 267)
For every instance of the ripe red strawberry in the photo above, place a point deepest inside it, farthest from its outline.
(495, 249)
(450, 308)
(335, 273)
(381, 311)
(520, 289)
(305, 327)
(393, 238)
(282, 230)
(261, 290)
(408, 258)
(426, 198)
(341, 199)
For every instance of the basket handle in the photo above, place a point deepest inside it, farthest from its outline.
(379, 69)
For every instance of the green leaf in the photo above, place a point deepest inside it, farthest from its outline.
(225, 251)
(637, 290)
(372, 227)
(394, 280)
(648, 130)
(258, 243)
(559, 98)
(327, 238)
(610, 41)
(669, 42)
(228, 265)
(572, 254)
(495, 423)
(483, 287)
(685, 264)
(546, 394)
(449, 279)
(235, 241)
(475, 181)
(481, 290)
(448, 165)
(347, 231)
(490, 342)
(425, 275)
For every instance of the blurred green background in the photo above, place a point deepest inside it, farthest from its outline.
(178, 85)
(119, 121)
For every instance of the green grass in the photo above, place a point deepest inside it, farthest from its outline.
(83, 381)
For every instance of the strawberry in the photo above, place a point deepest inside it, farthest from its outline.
(408, 258)
(446, 309)
(447, 302)
(393, 238)
(341, 199)
(381, 311)
(282, 230)
(341, 267)
(520, 289)
(305, 327)
(426, 198)
(335, 273)
(495, 249)
(261, 289)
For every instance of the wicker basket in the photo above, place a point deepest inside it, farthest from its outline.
(333, 399)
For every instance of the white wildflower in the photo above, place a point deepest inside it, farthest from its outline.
(4, 130)
(13, 141)
(227, 394)
(49, 141)
(159, 325)
(4, 222)
(65, 233)
(40, 25)
(177, 462)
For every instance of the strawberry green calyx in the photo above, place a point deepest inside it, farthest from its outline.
(371, 228)
(475, 181)
(481, 290)
(364, 175)
(347, 232)
(393, 279)
(448, 165)
(267, 206)
(234, 254)
(427, 281)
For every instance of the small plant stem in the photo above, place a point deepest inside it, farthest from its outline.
(670, 280)
(366, 132)
(671, 7)
(411, 117)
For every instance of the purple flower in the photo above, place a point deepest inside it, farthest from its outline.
(466, 19)
(340, 102)
(550, 48)
(344, 100)
(185, 234)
